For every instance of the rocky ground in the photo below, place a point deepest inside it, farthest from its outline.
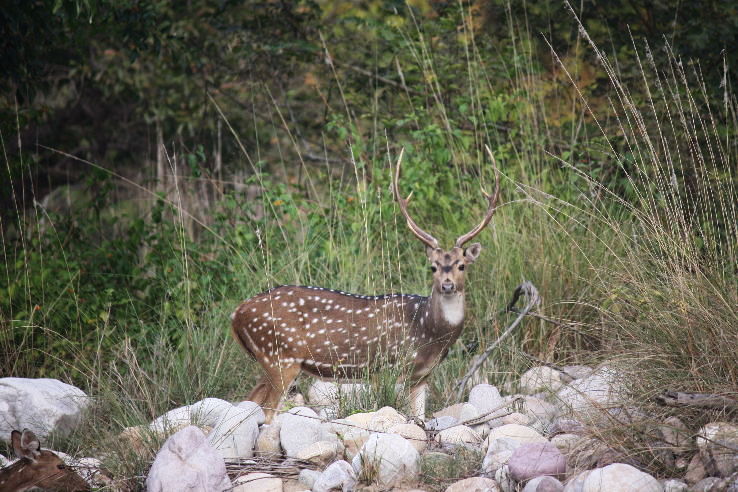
(538, 439)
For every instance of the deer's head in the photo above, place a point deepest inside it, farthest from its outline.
(448, 266)
(39, 468)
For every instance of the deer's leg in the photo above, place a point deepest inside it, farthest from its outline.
(417, 399)
(277, 380)
(260, 391)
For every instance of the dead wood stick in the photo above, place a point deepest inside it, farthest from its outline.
(528, 290)
(700, 400)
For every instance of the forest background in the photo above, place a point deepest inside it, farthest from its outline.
(165, 160)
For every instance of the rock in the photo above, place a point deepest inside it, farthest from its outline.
(709, 484)
(543, 484)
(388, 459)
(469, 411)
(235, 432)
(323, 393)
(587, 397)
(353, 441)
(539, 410)
(514, 432)
(187, 461)
(474, 484)
(320, 452)
(340, 475)
(576, 484)
(361, 419)
(384, 418)
(536, 459)
(254, 410)
(620, 477)
(40, 405)
(451, 411)
(257, 482)
(414, 434)
(485, 398)
(675, 434)
(268, 442)
(309, 477)
(695, 470)
(540, 378)
(339, 426)
(440, 423)
(493, 461)
(565, 442)
(459, 435)
(504, 480)
(577, 372)
(514, 418)
(674, 485)
(436, 463)
(718, 445)
(300, 427)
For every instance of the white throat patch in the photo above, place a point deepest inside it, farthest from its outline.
(452, 309)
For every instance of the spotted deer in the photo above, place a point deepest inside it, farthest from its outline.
(37, 468)
(334, 334)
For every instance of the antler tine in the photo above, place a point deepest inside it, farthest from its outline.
(491, 207)
(429, 240)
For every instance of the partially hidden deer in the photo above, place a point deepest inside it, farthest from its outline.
(37, 468)
(334, 334)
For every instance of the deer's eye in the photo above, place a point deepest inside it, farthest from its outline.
(61, 467)
(433, 269)
(461, 267)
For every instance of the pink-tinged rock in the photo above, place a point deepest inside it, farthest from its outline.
(536, 459)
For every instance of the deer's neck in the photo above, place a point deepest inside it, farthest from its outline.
(447, 310)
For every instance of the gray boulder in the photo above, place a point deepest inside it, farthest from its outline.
(543, 484)
(187, 462)
(339, 475)
(387, 458)
(40, 405)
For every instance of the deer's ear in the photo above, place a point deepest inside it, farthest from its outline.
(472, 252)
(25, 445)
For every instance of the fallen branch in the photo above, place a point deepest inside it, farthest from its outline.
(699, 400)
(528, 290)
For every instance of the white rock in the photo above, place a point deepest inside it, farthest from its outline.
(340, 475)
(540, 378)
(459, 434)
(254, 409)
(674, 485)
(309, 477)
(320, 452)
(235, 432)
(577, 372)
(576, 484)
(384, 418)
(414, 434)
(543, 484)
(187, 462)
(388, 458)
(718, 445)
(495, 460)
(361, 419)
(604, 388)
(257, 482)
(300, 427)
(474, 484)
(485, 398)
(353, 441)
(539, 410)
(41, 405)
(323, 393)
(441, 422)
(620, 477)
(503, 479)
(513, 432)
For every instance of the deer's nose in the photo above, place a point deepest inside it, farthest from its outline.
(447, 287)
